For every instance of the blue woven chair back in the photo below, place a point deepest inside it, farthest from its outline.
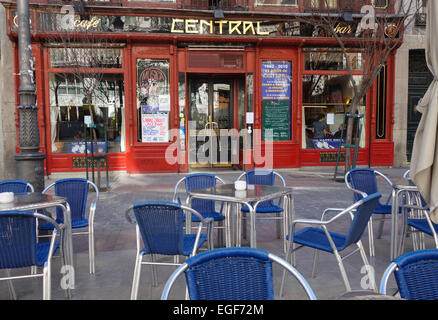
(18, 244)
(15, 186)
(363, 180)
(361, 218)
(417, 275)
(200, 181)
(230, 274)
(161, 226)
(261, 177)
(76, 192)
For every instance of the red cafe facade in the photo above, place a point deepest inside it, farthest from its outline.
(171, 71)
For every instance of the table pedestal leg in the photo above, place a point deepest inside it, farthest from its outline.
(252, 217)
(67, 250)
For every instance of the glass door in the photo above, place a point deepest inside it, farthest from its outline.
(210, 121)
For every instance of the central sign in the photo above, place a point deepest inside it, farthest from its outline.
(228, 27)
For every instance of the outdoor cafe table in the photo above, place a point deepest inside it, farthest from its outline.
(251, 197)
(34, 201)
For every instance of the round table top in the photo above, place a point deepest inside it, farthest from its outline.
(365, 295)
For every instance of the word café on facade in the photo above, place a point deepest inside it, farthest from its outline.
(171, 92)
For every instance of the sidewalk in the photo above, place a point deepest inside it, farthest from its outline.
(314, 190)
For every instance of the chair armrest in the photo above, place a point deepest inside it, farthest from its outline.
(128, 218)
(331, 210)
(411, 206)
(309, 221)
(363, 194)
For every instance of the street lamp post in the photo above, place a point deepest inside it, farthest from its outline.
(29, 161)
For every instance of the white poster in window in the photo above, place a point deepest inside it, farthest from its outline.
(164, 102)
(249, 117)
(155, 127)
(330, 118)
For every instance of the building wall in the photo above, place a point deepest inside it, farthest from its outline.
(7, 103)
(414, 38)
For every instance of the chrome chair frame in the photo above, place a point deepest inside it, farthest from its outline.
(414, 208)
(382, 219)
(324, 223)
(278, 218)
(90, 232)
(139, 256)
(47, 268)
(287, 267)
(176, 199)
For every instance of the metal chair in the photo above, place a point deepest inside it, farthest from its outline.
(416, 275)
(76, 191)
(16, 186)
(320, 238)
(160, 225)
(417, 219)
(206, 208)
(232, 274)
(264, 177)
(365, 180)
(19, 247)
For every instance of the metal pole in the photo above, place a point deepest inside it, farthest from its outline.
(29, 161)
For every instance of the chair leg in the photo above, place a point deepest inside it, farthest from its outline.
(278, 224)
(33, 270)
(343, 272)
(244, 231)
(366, 263)
(382, 222)
(289, 255)
(371, 237)
(47, 290)
(315, 262)
(238, 234)
(154, 272)
(136, 277)
(11, 286)
(221, 234)
(91, 253)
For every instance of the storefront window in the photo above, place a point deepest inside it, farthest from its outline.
(332, 59)
(326, 100)
(69, 108)
(380, 4)
(153, 100)
(85, 57)
(276, 99)
(278, 3)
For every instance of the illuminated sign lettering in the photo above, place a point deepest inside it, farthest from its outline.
(343, 29)
(195, 26)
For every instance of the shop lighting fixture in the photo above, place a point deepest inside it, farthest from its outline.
(218, 14)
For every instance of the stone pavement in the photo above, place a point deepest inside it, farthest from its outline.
(314, 190)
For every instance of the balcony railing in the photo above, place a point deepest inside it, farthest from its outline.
(226, 5)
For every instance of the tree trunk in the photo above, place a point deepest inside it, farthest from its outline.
(349, 136)
(94, 141)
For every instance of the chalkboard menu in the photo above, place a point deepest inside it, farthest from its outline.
(276, 99)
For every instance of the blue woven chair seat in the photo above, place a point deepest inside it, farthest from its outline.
(422, 225)
(316, 238)
(43, 251)
(75, 224)
(383, 209)
(264, 209)
(215, 215)
(189, 243)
